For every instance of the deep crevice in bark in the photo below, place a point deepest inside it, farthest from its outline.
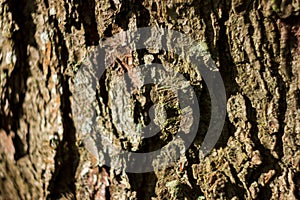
(62, 182)
(17, 81)
(268, 159)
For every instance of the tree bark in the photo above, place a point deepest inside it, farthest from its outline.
(256, 47)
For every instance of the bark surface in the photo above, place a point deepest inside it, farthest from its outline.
(256, 47)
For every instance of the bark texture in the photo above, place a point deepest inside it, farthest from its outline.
(256, 47)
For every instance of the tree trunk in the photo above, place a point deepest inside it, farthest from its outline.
(256, 48)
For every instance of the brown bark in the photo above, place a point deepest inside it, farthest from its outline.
(256, 46)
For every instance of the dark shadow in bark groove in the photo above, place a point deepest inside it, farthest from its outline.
(133, 7)
(144, 184)
(297, 183)
(17, 82)
(88, 19)
(107, 193)
(193, 159)
(205, 115)
(67, 155)
(108, 31)
(82, 12)
(71, 16)
(222, 51)
(235, 189)
(297, 96)
(46, 2)
(122, 18)
(269, 162)
(228, 72)
(282, 105)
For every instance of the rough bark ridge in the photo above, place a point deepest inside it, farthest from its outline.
(256, 46)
